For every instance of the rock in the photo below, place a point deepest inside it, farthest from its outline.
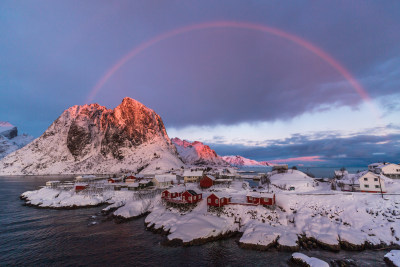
(303, 260)
(392, 258)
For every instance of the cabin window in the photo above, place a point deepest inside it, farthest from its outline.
(200, 197)
(365, 179)
(216, 201)
(190, 198)
(366, 186)
(163, 194)
(376, 186)
(250, 198)
(376, 179)
(209, 200)
(266, 199)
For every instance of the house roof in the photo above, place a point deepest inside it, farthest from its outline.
(211, 177)
(260, 194)
(219, 195)
(341, 173)
(176, 189)
(192, 192)
(193, 173)
(162, 178)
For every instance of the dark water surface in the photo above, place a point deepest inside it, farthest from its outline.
(44, 237)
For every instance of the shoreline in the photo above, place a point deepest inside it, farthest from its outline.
(303, 242)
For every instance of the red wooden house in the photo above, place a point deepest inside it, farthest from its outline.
(216, 200)
(191, 196)
(80, 187)
(171, 193)
(207, 181)
(261, 198)
(114, 180)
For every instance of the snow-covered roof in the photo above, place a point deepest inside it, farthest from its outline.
(211, 177)
(144, 181)
(341, 173)
(133, 185)
(176, 189)
(193, 173)
(220, 195)
(260, 194)
(163, 178)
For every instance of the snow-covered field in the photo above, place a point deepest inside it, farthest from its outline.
(312, 213)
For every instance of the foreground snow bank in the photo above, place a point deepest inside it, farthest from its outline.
(393, 258)
(309, 261)
(51, 198)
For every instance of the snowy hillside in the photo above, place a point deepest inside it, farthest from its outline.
(241, 161)
(94, 139)
(196, 153)
(10, 141)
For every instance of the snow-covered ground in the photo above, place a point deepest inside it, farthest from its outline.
(331, 219)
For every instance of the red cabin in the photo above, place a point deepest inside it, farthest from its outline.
(191, 196)
(261, 198)
(207, 181)
(168, 194)
(80, 187)
(217, 200)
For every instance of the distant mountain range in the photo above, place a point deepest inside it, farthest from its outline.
(241, 161)
(94, 139)
(10, 141)
(197, 153)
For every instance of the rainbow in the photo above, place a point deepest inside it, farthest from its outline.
(238, 25)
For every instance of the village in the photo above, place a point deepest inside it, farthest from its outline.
(283, 209)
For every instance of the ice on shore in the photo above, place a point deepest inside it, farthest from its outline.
(311, 261)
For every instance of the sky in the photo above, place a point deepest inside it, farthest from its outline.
(303, 82)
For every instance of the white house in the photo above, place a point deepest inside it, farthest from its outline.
(372, 182)
(389, 170)
(164, 180)
(192, 176)
(373, 166)
(52, 184)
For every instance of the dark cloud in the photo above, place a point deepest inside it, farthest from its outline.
(357, 150)
(55, 52)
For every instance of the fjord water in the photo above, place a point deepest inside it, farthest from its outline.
(44, 237)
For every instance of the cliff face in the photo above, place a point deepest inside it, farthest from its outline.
(196, 153)
(94, 139)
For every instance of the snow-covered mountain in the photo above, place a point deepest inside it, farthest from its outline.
(94, 139)
(197, 153)
(10, 141)
(241, 161)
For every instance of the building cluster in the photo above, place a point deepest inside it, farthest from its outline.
(375, 180)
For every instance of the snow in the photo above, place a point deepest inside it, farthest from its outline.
(327, 216)
(190, 173)
(394, 257)
(10, 143)
(241, 161)
(152, 153)
(165, 178)
(311, 261)
(197, 153)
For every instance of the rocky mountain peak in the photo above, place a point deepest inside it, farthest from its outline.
(94, 138)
